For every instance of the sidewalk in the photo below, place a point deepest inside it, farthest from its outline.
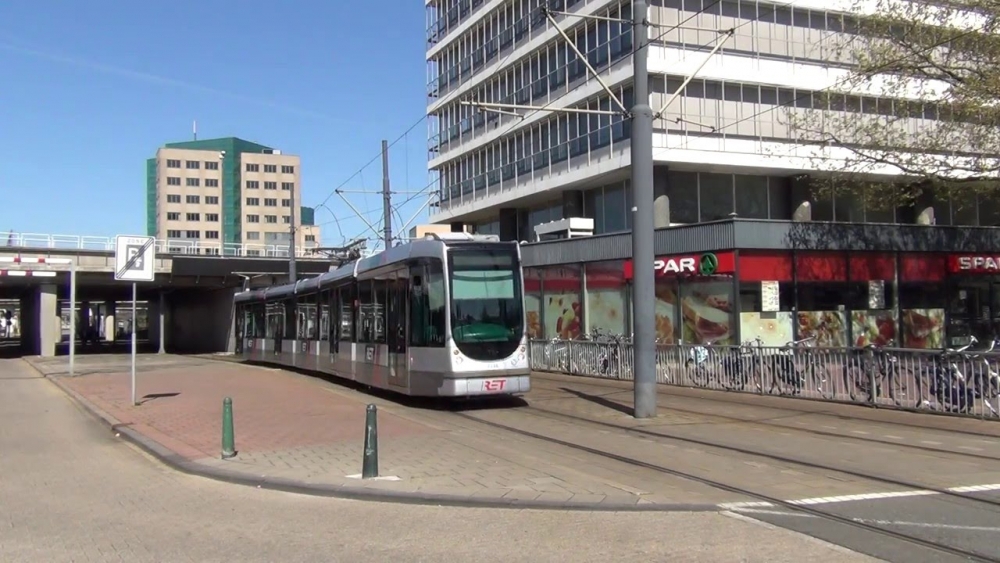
(302, 434)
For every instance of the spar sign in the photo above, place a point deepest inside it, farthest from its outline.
(703, 264)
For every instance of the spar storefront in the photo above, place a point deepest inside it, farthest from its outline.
(872, 284)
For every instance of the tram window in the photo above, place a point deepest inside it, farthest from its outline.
(365, 328)
(436, 304)
(379, 309)
(256, 315)
(306, 315)
(275, 319)
(345, 303)
(418, 312)
(324, 315)
(288, 331)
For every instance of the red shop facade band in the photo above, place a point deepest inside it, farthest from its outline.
(873, 289)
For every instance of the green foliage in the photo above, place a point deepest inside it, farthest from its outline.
(935, 71)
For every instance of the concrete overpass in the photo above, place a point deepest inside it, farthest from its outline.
(188, 306)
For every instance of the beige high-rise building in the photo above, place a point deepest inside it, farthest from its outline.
(227, 196)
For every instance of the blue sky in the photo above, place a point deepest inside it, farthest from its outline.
(89, 90)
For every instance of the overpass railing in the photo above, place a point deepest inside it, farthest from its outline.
(163, 246)
(952, 381)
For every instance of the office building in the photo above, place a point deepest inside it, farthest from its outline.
(225, 196)
(719, 149)
(746, 245)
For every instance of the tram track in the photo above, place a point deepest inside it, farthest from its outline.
(722, 398)
(769, 424)
(556, 415)
(774, 501)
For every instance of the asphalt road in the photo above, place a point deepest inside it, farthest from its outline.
(70, 491)
(960, 523)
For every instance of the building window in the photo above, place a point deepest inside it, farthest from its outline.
(286, 169)
(270, 202)
(287, 186)
(193, 165)
(173, 198)
(253, 167)
(286, 203)
(193, 199)
(271, 219)
(211, 182)
(253, 235)
(287, 219)
(171, 163)
(173, 234)
(253, 218)
(310, 238)
(173, 216)
(272, 168)
(192, 182)
(194, 216)
(270, 185)
(211, 165)
(212, 234)
(212, 199)
(212, 217)
(253, 253)
(253, 201)
(173, 181)
(192, 234)
(253, 184)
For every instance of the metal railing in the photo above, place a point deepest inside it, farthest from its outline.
(163, 246)
(960, 381)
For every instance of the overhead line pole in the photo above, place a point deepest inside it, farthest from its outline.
(643, 254)
(386, 198)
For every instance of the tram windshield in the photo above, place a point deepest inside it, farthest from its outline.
(487, 315)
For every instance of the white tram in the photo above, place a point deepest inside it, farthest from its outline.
(439, 316)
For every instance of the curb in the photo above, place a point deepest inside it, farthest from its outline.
(176, 462)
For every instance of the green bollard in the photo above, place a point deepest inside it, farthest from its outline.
(369, 467)
(228, 440)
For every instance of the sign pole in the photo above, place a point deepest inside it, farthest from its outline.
(72, 318)
(134, 257)
(134, 295)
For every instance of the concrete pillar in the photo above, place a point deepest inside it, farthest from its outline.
(801, 198)
(110, 321)
(661, 201)
(86, 317)
(508, 224)
(157, 321)
(48, 329)
(572, 204)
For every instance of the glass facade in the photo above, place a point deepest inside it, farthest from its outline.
(839, 299)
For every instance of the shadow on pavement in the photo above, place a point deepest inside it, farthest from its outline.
(450, 404)
(599, 400)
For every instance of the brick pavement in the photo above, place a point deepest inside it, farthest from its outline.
(305, 430)
(70, 492)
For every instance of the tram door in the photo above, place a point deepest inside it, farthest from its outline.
(241, 322)
(396, 330)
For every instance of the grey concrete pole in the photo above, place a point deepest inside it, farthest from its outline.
(292, 274)
(163, 323)
(386, 197)
(644, 291)
(72, 317)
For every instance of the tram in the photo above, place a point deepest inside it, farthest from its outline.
(441, 316)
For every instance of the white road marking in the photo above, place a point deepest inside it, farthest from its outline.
(932, 525)
(382, 478)
(857, 497)
(970, 448)
(931, 442)
(859, 432)
(892, 437)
